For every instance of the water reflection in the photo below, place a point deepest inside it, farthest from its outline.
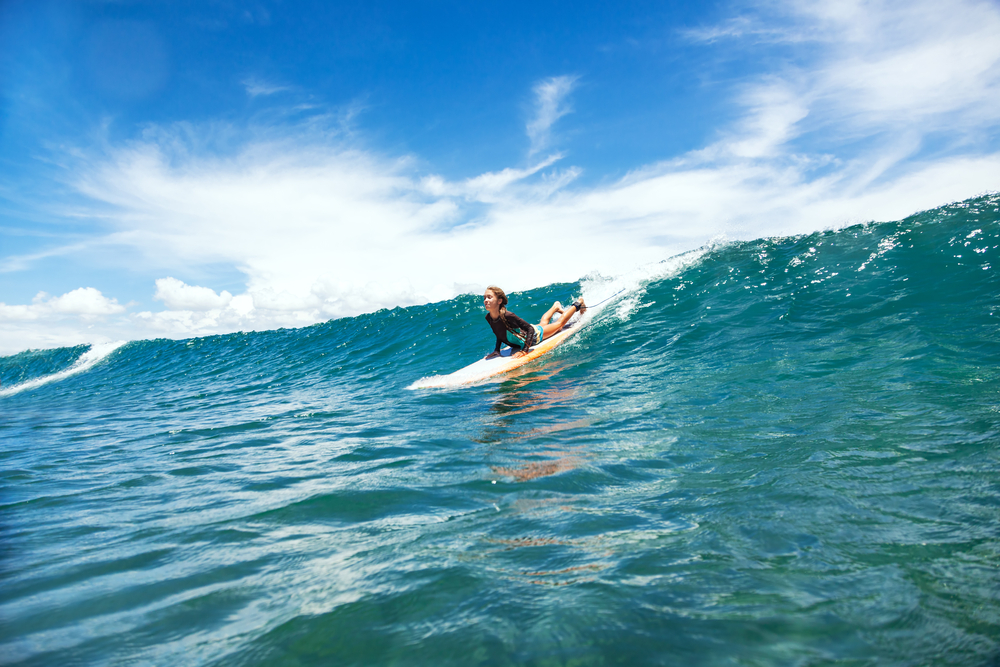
(526, 391)
(564, 460)
(532, 432)
(531, 408)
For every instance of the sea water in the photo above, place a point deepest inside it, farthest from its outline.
(778, 452)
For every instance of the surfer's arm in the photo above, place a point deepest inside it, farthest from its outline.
(498, 331)
(527, 330)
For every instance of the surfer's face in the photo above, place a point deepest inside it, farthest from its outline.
(490, 301)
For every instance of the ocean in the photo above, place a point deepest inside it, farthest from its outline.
(776, 452)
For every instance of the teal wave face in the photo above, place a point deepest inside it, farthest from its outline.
(870, 294)
(773, 452)
(33, 364)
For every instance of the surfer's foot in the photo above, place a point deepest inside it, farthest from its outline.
(556, 308)
(580, 306)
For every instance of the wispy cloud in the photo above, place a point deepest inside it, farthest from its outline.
(491, 187)
(550, 106)
(743, 27)
(256, 87)
(13, 263)
(878, 66)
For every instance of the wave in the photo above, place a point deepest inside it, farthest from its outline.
(97, 353)
(934, 262)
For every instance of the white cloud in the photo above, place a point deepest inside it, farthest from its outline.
(879, 66)
(256, 87)
(18, 313)
(550, 106)
(936, 65)
(236, 314)
(177, 295)
(85, 301)
(774, 110)
(50, 320)
(745, 28)
(491, 186)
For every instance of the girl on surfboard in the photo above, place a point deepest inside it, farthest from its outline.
(515, 332)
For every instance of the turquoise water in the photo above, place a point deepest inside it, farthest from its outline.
(781, 452)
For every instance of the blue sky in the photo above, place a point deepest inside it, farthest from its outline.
(179, 169)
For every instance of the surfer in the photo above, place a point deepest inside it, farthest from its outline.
(515, 332)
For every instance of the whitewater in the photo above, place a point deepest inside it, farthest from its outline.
(777, 452)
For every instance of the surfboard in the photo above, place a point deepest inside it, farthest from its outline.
(485, 369)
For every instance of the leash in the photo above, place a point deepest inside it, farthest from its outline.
(606, 300)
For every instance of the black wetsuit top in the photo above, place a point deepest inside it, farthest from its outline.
(515, 324)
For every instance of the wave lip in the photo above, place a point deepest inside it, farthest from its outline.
(87, 360)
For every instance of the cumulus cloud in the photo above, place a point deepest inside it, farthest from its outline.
(78, 316)
(85, 302)
(177, 295)
(229, 314)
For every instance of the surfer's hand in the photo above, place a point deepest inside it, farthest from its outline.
(492, 355)
(519, 353)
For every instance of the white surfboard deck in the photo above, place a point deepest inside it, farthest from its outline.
(485, 369)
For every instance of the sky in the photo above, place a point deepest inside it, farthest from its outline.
(178, 169)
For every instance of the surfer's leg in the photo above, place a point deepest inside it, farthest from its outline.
(547, 317)
(549, 329)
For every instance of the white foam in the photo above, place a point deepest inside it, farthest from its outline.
(87, 360)
(632, 285)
